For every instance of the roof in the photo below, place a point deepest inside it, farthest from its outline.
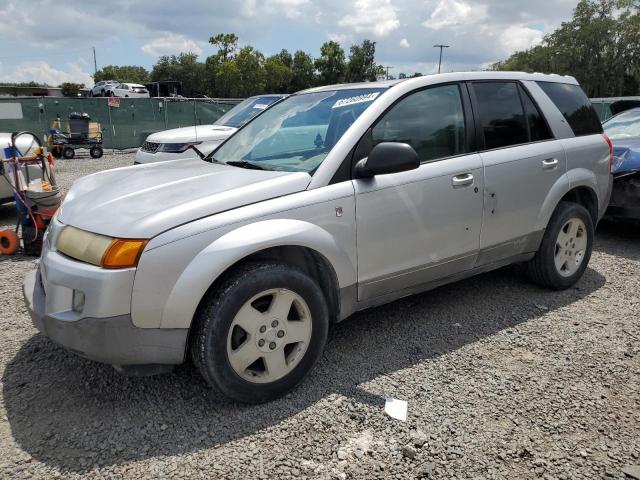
(451, 77)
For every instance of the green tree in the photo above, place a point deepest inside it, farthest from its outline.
(227, 44)
(331, 65)
(250, 63)
(184, 68)
(278, 75)
(362, 66)
(303, 72)
(600, 46)
(227, 80)
(70, 89)
(123, 73)
(285, 57)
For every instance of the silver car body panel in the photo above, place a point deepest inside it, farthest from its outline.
(143, 201)
(384, 238)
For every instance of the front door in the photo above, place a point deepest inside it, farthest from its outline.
(422, 225)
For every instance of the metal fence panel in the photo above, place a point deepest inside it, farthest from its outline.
(124, 126)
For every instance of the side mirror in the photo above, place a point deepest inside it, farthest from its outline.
(385, 158)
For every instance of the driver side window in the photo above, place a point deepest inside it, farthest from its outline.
(431, 121)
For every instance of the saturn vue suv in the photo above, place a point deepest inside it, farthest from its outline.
(333, 200)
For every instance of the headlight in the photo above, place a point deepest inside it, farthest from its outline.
(100, 250)
(176, 147)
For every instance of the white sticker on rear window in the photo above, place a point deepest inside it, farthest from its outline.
(260, 106)
(368, 97)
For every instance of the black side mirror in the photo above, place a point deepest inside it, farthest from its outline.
(387, 157)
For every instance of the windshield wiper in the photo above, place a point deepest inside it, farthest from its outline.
(245, 164)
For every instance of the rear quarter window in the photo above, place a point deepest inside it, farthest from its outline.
(575, 107)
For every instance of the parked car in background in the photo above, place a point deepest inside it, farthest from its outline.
(334, 200)
(624, 132)
(608, 107)
(101, 88)
(127, 90)
(175, 144)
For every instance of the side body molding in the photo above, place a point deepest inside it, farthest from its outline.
(237, 244)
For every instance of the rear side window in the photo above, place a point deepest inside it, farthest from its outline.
(431, 121)
(501, 114)
(575, 106)
(538, 128)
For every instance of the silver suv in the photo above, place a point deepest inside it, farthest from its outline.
(334, 200)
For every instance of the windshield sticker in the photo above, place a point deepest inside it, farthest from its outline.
(260, 106)
(344, 102)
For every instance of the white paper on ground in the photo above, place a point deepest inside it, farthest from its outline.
(396, 409)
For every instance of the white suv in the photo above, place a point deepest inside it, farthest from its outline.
(175, 144)
(333, 200)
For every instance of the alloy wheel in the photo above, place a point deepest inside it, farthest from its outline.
(571, 246)
(269, 335)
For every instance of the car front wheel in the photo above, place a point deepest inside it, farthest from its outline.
(566, 248)
(259, 333)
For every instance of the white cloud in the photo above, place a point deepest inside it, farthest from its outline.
(288, 8)
(171, 44)
(42, 72)
(404, 43)
(455, 13)
(516, 38)
(377, 17)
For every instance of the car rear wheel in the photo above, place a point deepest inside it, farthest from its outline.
(566, 248)
(260, 332)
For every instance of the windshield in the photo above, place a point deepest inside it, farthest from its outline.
(246, 110)
(625, 125)
(297, 134)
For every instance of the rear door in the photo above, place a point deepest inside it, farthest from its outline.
(522, 161)
(422, 225)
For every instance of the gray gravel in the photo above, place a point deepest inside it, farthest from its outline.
(503, 380)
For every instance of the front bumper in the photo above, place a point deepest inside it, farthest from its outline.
(112, 340)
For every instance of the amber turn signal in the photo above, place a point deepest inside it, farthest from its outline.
(123, 253)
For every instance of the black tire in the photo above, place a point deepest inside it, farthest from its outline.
(102, 93)
(68, 153)
(215, 315)
(96, 152)
(56, 152)
(542, 268)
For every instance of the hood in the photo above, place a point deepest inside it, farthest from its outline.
(145, 200)
(199, 133)
(626, 155)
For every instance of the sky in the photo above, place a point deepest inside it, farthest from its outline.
(51, 41)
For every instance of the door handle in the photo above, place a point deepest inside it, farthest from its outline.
(462, 180)
(550, 163)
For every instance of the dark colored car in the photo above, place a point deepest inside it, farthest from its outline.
(624, 132)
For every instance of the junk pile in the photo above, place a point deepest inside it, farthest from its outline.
(29, 175)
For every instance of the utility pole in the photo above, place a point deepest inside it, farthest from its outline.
(95, 64)
(441, 47)
(387, 69)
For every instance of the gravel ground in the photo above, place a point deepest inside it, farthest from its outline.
(503, 380)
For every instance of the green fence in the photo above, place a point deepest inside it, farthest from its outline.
(123, 126)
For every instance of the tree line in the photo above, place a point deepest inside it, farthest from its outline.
(600, 46)
(235, 72)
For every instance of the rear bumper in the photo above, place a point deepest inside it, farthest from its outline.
(112, 340)
(625, 197)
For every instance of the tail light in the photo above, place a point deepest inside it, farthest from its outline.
(610, 143)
